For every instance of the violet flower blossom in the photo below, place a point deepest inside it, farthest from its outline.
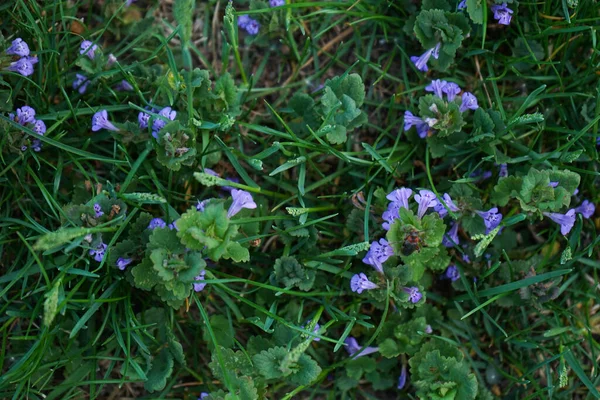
(39, 127)
(360, 283)
(400, 196)
(402, 378)
(468, 102)
(586, 208)
(452, 273)
(25, 115)
(378, 253)
(159, 123)
(411, 120)
(122, 263)
(81, 83)
(426, 199)
(390, 215)
(451, 89)
(157, 223)
(441, 209)
(276, 3)
(199, 286)
(503, 171)
(353, 348)
(98, 252)
(451, 237)
(414, 295)
(566, 221)
(491, 219)
(421, 61)
(100, 121)
(241, 199)
(23, 65)
(88, 48)
(18, 48)
(98, 210)
(437, 87)
(502, 13)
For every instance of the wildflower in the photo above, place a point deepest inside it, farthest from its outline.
(486, 175)
(491, 219)
(465, 258)
(378, 253)
(411, 120)
(143, 119)
(203, 395)
(276, 3)
(468, 102)
(98, 210)
(18, 48)
(502, 13)
(452, 273)
(124, 86)
(400, 196)
(503, 171)
(111, 60)
(426, 199)
(402, 378)
(166, 113)
(36, 145)
(421, 61)
(122, 263)
(253, 27)
(243, 21)
(553, 184)
(230, 179)
(436, 86)
(23, 66)
(127, 4)
(81, 83)
(199, 286)
(360, 283)
(586, 208)
(315, 330)
(428, 329)
(201, 204)
(157, 223)
(352, 347)
(414, 295)
(241, 199)
(451, 237)
(441, 209)
(100, 121)
(566, 221)
(98, 252)
(25, 115)
(23, 148)
(462, 5)
(390, 215)
(451, 89)
(575, 192)
(88, 48)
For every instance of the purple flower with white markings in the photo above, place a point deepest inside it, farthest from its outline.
(36, 145)
(276, 3)
(468, 102)
(157, 223)
(111, 60)
(122, 263)
(428, 329)
(502, 13)
(426, 199)
(411, 120)
(450, 238)
(437, 87)
(353, 348)
(402, 378)
(400, 196)
(39, 127)
(124, 86)
(253, 27)
(452, 273)
(159, 123)
(241, 199)
(441, 209)
(491, 219)
(98, 252)
(143, 119)
(201, 204)
(23, 65)
(100, 121)
(98, 210)
(566, 221)
(199, 286)
(25, 115)
(421, 61)
(378, 253)
(360, 283)
(414, 294)
(451, 89)
(88, 48)
(503, 171)
(586, 208)
(18, 48)
(390, 215)
(553, 184)
(243, 21)
(81, 83)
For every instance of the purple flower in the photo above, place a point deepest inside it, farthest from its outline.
(123, 262)
(451, 237)
(441, 210)
(81, 83)
(253, 27)
(18, 48)
(402, 378)
(315, 330)
(36, 145)
(230, 179)
(25, 115)
(143, 119)
(203, 395)
(243, 21)
(98, 252)
(491, 219)
(566, 221)
(23, 148)
(575, 192)
(502, 13)
(100, 121)
(98, 210)
(411, 120)
(451, 89)
(426, 199)
(503, 171)
(201, 204)
(400, 196)
(352, 347)
(360, 283)
(241, 199)
(111, 60)
(553, 184)
(421, 61)
(124, 86)
(390, 215)
(88, 48)
(414, 295)
(452, 273)
(199, 286)
(166, 113)
(437, 87)
(157, 223)
(466, 258)
(462, 4)
(468, 102)
(428, 329)
(586, 208)
(127, 4)
(276, 3)
(378, 253)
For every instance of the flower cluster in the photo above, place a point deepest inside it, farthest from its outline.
(167, 113)
(567, 220)
(251, 25)
(98, 251)
(24, 65)
(26, 116)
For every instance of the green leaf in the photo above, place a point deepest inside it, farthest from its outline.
(444, 117)
(267, 362)
(162, 368)
(60, 237)
(336, 134)
(237, 252)
(475, 10)
(144, 275)
(306, 371)
(356, 367)
(51, 303)
(289, 272)
(389, 349)
(434, 229)
(506, 189)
